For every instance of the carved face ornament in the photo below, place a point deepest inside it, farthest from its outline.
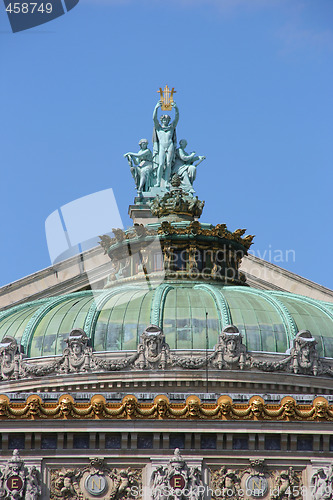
(33, 406)
(76, 349)
(193, 407)
(152, 346)
(225, 407)
(162, 407)
(229, 482)
(321, 408)
(130, 406)
(231, 346)
(257, 408)
(66, 406)
(305, 357)
(289, 408)
(98, 406)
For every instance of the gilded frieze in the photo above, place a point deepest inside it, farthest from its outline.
(161, 408)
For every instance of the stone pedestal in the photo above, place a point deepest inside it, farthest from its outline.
(141, 214)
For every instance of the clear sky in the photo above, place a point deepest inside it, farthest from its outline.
(255, 91)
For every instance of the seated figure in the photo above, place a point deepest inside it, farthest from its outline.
(141, 165)
(184, 166)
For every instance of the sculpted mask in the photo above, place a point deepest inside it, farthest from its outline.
(225, 408)
(257, 408)
(162, 408)
(34, 405)
(289, 408)
(66, 406)
(98, 406)
(193, 407)
(130, 406)
(321, 408)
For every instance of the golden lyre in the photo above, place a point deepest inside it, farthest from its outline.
(166, 98)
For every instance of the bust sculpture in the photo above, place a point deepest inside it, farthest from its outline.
(153, 352)
(231, 352)
(77, 357)
(11, 359)
(304, 354)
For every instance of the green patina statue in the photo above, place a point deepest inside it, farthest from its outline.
(141, 165)
(184, 166)
(152, 172)
(165, 143)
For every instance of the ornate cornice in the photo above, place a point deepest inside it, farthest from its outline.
(219, 231)
(166, 228)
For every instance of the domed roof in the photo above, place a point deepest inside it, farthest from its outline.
(115, 318)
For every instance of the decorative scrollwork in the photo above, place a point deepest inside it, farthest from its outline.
(27, 480)
(96, 478)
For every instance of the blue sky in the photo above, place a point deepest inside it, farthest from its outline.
(254, 87)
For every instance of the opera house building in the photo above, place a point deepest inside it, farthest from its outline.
(172, 364)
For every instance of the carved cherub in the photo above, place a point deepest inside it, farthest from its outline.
(228, 482)
(33, 488)
(66, 484)
(287, 485)
(156, 482)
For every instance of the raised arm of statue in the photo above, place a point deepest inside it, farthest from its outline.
(176, 120)
(155, 119)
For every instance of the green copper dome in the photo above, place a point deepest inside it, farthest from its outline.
(115, 318)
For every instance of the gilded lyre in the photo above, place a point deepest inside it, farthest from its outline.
(166, 98)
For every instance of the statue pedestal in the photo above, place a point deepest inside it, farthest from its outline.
(141, 214)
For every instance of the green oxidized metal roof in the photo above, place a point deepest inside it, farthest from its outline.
(115, 318)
